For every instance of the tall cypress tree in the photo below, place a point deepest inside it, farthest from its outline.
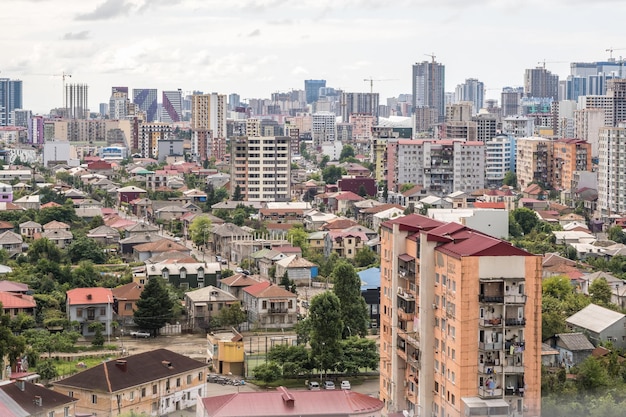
(347, 287)
(154, 307)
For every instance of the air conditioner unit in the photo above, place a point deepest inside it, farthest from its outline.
(435, 306)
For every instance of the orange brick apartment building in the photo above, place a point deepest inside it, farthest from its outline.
(460, 322)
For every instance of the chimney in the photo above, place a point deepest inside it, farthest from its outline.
(20, 384)
(38, 401)
(122, 364)
(89, 296)
(287, 397)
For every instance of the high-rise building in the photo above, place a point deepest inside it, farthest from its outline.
(460, 322)
(312, 90)
(486, 125)
(149, 136)
(118, 103)
(234, 101)
(361, 103)
(104, 109)
(569, 156)
(611, 160)
(473, 91)
(261, 167)
(539, 82)
(499, 159)
(587, 126)
(511, 98)
(146, 99)
(77, 101)
(518, 126)
(429, 82)
(208, 122)
(172, 106)
(533, 161)
(10, 99)
(324, 128)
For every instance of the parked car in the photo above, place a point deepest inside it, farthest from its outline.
(239, 270)
(140, 333)
(345, 385)
(314, 386)
(329, 385)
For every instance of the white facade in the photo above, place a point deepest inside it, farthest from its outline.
(492, 222)
(518, 126)
(499, 158)
(587, 126)
(149, 136)
(324, 128)
(208, 113)
(56, 151)
(611, 160)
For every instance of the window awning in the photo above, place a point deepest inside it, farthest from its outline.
(406, 257)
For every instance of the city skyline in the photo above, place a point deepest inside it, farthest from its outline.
(264, 46)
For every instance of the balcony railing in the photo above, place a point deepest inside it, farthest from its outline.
(490, 393)
(490, 346)
(489, 368)
(491, 322)
(515, 299)
(514, 369)
(515, 322)
(482, 298)
(277, 310)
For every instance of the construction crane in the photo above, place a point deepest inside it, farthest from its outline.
(371, 81)
(432, 56)
(544, 62)
(63, 75)
(610, 51)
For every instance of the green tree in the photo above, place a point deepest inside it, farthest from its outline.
(84, 248)
(515, 230)
(237, 196)
(154, 307)
(11, 346)
(600, 292)
(510, 179)
(406, 187)
(592, 374)
(616, 234)
(292, 359)
(231, 315)
(299, 237)
(200, 231)
(526, 218)
(98, 338)
(358, 353)
(347, 288)
(324, 161)
(326, 329)
(96, 222)
(303, 331)
(64, 213)
(267, 373)
(346, 152)
(558, 287)
(43, 341)
(365, 257)
(362, 191)
(332, 173)
(47, 370)
(44, 249)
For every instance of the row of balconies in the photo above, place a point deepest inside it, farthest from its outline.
(503, 299)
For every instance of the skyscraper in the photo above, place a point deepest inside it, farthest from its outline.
(146, 99)
(76, 100)
(361, 103)
(208, 122)
(471, 90)
(172, 106)
(510, 98)
(312, 90)
(118, 103)
(10, 99)
(539, 82)
(429, 80)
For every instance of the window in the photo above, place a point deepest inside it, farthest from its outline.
(103, 311)
(51, 414)
(128, 306)
(183, 273)
(166, 274)
(70, 394)
(132, 395)
(264, 305)
(188, 379)
(178, 382)
(79, 312)
(143, 392)
(94, 399)
(155, 407)
(154, 389)
(200, 376)
(66, 412)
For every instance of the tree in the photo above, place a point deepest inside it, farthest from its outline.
(98, 338)
(292, 359)
(346, 152)
(365, 257)
(200, 231)
(44, 249)
(85, 248)
(64, 213)
(303, 331)
(600, 292)
(326, 329)
(237, 194)
(299, 237)
(332, 173)
(154, 307)
(616, 234)
(510, 179)
(592, 374)
(347, 288)
(325, 160)
(267, 372)
(406, 187)
(231, 315)
(11, 346)
(362, 191)
(47, 370)
(43, 341)
(558, 287)
(526, 218)
(358, 353)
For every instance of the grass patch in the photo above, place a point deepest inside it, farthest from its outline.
(66, 368)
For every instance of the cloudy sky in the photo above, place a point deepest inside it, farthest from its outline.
(256, 47)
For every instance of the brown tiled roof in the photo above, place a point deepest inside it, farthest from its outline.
(339, 224)
(130, 291)
(240, 280)
(49, 399)
(142, 368)
(382, 207)
(162, 245)
(266, 290)
(13, 300)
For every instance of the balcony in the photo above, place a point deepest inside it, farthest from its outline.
(514, 369)
(404, 316)
(277, 310)
(489, 393)
(491, 299)
(490, 322)
(515, 299)
(490, 346)
(490, 368)
(515, 322)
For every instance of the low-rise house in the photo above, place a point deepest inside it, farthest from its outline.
(56, 225)
(186, 273)
(266, 259)
(383, 216)
(270, 306)
(297, 269)
(6, 226)
(344, 244)
(14, 287)
(128, 244)
(235, 284)
(172, 212)
(225, 352)
(16, 303)
(204, 305)
(61, 238)
(147, 250)
(314, 220)
(341, 202)
(600, 325)
(6, 192)
(21, 398)
(317, 241)
(11, 242)
(140, 228)
(366, 215)
(104, 234)
(125, 299)
(297, 403)
(224, 235)
(29, 202)
(130, 193)
(573, 348)
(152, 383)
(30, 228)
(90, 305)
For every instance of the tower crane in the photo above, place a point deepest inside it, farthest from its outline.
(63, 75)
(371, 81)
(544, 62)
(610, 51)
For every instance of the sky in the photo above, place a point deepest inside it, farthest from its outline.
(257, 47)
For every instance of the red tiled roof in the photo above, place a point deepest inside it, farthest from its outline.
(240, 280)
(12, 300)
(471, 243)
(266, 289)
(413, 223)
(162, 245)
(130, 291)
(347, 196)
(487, 205)
(339, 224)
(50, 204)
(97, 295)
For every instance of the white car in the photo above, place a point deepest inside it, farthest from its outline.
(345, 385)
(239, 270)
(329, 385)
(140, 333)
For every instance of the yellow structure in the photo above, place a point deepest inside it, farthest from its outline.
(225, 352)
(460, 322)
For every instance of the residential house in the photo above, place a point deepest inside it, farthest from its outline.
(14, 287)
(600, 325)
(412, 196)
(56, 225)
(366, 216)
(11, 242)
(140, 228)
(340, 223)
(341, 201)
(534, 191)
(90, 305)
(573, 348)
(291, 215)
(344, 244)
(152, 383)
(186, 273)
(314, 220)
(225, 351)
(28, 202)
(21, 398)
(270, 306)
(6, 226)
(223, 237)
(16, 303)
(265, 259)
(6, 192)
(382, 216)
(104, 234)
(204, 305)
(297, 269)
(195, 196)
(147, 250)
(29, 229)
(61, 238)
(370, 290)
(235, 284)
(128, 194)
(171, 212)
(317, 241)
(128, 244)
(125, 299)
(297, 403)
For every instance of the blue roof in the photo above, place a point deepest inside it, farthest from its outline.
(370, 279)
